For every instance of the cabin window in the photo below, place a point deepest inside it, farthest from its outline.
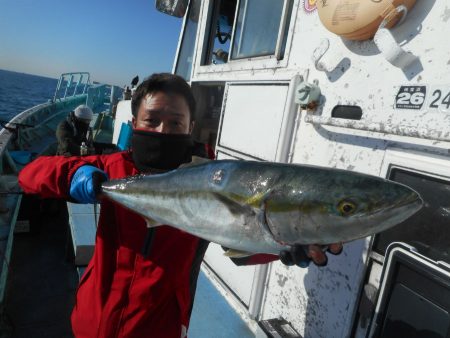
(186, 53)
(221, 29)
(261, 29)
(428, 230)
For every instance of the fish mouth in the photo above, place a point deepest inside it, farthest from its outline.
(414, 199)
(412, 202)
(385, 218)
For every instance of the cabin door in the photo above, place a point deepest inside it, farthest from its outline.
(256, 124)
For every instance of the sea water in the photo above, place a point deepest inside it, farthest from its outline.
(19, 91)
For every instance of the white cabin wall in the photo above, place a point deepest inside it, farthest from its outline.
(318, 302)
(321, 302)
(326, 298)
(123, 115)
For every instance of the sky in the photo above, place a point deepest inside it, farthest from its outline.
(114, 40)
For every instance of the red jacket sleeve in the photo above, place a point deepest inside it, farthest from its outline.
(50, 176)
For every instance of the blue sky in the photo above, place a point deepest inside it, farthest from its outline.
(114, 40)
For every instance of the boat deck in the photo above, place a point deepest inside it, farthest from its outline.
(43, 280)
(212, 316)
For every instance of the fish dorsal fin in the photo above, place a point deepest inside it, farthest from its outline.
(152, 223)
(195, 161)
(237, 253)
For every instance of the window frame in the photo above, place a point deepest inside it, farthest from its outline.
(280, 35)
(420, 163)
(182, 36)
(425, 164)
(250, 63)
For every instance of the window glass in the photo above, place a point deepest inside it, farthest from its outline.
(429, 229)
(221, 28)
(257, 28)
(186, 54)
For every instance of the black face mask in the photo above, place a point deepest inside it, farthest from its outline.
(160, 151)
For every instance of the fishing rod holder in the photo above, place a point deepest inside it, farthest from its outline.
(307, 95)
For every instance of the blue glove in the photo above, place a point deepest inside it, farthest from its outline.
(86, 184)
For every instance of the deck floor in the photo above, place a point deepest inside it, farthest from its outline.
(42, 283)
(212, 316)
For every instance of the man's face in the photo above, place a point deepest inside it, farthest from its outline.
(163, 113)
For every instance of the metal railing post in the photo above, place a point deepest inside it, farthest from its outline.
(68, 85)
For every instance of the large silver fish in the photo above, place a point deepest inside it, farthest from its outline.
(263, 207)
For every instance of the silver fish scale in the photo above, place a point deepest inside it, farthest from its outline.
(194, 200)
(266, 207)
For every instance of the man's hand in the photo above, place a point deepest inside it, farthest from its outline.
(86, 184)
(302, 255)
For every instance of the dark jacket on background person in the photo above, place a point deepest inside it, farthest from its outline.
(130, 288)
(70, 135)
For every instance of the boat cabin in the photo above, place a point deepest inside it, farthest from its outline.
(332, 84)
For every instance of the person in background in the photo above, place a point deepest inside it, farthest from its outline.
(75, 130)
(127, 93)
(140, 282)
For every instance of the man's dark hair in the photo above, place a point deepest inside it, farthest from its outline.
(166, 83)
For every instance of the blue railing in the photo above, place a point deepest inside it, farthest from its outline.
(72, 84)
(100, 97)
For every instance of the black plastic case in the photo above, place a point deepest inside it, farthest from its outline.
(414, 297)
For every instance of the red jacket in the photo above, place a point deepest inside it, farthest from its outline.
(125, 292)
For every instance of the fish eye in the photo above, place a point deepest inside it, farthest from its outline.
(346, 207)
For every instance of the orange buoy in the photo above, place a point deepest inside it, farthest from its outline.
(359, 19)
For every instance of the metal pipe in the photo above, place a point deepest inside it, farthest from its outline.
(68, 85)
(256, 297)
(287, 126)
(57, 87)
(398, 130)
(111, 99)
(294, 136)
(87, 82)
(78, 83)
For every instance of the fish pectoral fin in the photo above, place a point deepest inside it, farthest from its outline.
(196, 160)
(152, 223)
(234, 206)
(236, 253)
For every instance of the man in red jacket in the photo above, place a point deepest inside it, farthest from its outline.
(140, 282)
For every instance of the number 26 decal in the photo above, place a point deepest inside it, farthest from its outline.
(411, 98)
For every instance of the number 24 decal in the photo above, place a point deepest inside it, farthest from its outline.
(437, 94)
